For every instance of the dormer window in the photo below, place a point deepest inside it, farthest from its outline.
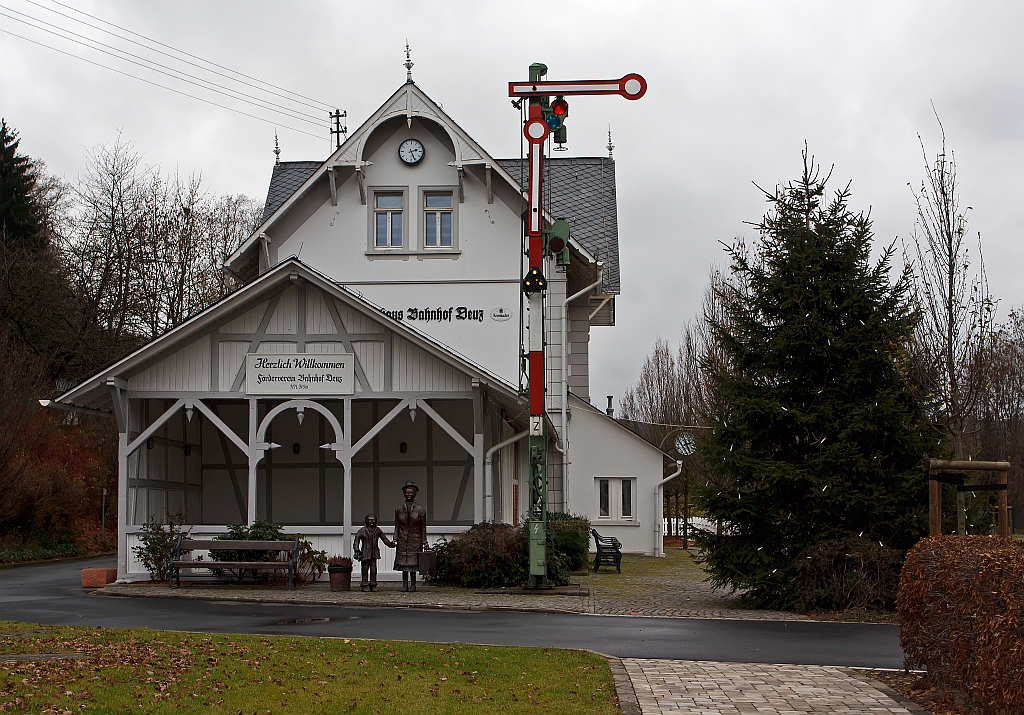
(437, 220)
(388, 216)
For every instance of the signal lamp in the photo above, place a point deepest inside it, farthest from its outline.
(534, 281)
(554, 122)
(560, 107)
(558, 236)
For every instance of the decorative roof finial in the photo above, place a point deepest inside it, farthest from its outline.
(611, 146)
(277, 149)
(408, 63)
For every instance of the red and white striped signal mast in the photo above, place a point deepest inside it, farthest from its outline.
(544, 118)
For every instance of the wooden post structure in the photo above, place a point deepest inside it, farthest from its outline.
(934, 507)
(947, 471)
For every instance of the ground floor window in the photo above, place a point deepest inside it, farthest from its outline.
(615, 498)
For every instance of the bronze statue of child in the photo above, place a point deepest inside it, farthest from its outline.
(366, 550)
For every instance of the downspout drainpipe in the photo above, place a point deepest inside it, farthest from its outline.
(564, 446)
(488, 471)
(659, 547)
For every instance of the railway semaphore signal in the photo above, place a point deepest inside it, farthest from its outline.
(545, 119)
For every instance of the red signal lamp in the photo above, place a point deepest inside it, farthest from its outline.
(560, 107)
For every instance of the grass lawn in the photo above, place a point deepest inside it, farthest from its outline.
(148, 671)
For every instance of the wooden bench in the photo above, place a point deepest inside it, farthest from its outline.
(608, 551)
(184, 545)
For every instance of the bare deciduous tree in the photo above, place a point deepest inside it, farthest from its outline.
(672, 397)
(958, 316)
(144, 252)
(952, 342)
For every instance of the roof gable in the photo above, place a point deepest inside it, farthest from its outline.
(409, 101)
(161, 364)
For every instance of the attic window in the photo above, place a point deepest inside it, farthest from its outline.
(388, 220)
(437, 220)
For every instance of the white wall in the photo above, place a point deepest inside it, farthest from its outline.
(598, 447)
(483, 275)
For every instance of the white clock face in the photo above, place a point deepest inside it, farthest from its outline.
(411, 151)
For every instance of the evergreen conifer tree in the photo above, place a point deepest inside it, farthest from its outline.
(19, 213)
(816, 435)
(35, 302)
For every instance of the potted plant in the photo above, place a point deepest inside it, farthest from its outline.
(339, 569)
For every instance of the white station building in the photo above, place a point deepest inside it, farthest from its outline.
(377, 339)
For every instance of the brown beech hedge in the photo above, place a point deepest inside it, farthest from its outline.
(961, 609)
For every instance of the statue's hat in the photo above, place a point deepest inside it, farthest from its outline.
(410, 484)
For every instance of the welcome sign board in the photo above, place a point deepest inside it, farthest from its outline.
(306, 374)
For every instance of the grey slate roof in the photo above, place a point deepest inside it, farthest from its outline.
(582, 191)
(288, 176)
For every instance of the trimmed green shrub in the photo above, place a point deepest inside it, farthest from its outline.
(839, 574)
(570, 538)
(487, 556)
(493, 555)
(259, 531)
(158, 541)
(312, 563)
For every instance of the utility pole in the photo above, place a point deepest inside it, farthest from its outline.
(543, 120)
(338, 130)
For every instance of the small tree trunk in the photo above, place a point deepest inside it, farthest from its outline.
(961, 497)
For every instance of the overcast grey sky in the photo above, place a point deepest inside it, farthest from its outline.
(735, 88)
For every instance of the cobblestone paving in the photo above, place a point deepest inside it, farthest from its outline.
(670, 587)
(673, 587)
(710, 688)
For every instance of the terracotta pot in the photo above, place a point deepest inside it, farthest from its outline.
(341, 577)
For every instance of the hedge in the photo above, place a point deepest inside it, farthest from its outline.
(961, 609)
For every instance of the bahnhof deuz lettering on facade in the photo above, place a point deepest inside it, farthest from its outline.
(354, 395)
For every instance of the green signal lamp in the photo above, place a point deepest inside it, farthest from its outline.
(558, 236)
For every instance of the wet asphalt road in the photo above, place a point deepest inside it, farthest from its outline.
(52, 594)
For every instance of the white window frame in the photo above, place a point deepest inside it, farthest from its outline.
(615, 492)
(374, 211)
(424, 191)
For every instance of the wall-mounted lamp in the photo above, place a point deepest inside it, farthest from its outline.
(150, 443)
(296, 448)
(187, 449)
(403, 448)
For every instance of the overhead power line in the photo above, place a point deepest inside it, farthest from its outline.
(318, 104)
(161, 86)
(185, 77)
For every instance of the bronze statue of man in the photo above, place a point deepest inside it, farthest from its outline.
(410, 536)
(367, 551)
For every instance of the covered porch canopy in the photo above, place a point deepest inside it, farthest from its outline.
(341, 406)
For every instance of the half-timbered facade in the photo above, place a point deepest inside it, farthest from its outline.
(377, 339)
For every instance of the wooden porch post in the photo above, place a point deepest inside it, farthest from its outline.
(478, 453)
(122, 414)
(346, 461)
(122, 505)
(253, 459)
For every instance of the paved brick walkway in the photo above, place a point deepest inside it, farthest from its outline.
(710, 688)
